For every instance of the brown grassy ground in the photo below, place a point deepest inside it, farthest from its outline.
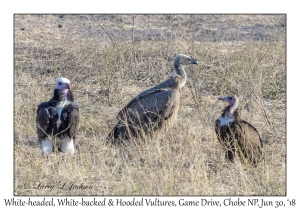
(111, 58)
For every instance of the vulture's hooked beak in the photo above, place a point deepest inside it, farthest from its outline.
(194, 61)
(225, 98)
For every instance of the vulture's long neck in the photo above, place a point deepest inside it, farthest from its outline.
(229, 114)
(234, 107)
(179, 69)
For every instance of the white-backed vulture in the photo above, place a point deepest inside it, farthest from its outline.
(57, 120)
(154, 110)
(236, 135)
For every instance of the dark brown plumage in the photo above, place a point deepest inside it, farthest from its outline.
(57, 120)
(236, 135)
(155, 110)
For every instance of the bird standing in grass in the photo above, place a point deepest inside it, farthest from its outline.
(57, 120)
(237, 135)
(154, 110)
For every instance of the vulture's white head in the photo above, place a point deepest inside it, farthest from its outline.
(63, 84)
(182, 59)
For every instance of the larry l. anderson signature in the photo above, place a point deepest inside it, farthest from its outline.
(58, 185)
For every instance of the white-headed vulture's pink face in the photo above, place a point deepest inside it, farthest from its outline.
(63, 84)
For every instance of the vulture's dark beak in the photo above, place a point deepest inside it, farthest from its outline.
(194, 61)
(222, 98)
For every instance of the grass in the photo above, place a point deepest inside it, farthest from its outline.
(110, 59)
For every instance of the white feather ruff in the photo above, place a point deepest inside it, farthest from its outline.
(225, 120)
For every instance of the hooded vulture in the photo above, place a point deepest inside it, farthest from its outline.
(236, 135)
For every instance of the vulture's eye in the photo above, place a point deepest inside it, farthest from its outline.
(59, 83)
(230, 98)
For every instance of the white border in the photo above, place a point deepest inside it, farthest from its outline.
(153, 6)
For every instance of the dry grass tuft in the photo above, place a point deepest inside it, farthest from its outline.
(111, 58)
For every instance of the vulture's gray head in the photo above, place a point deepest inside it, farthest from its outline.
(231, 100)
(182, 59)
